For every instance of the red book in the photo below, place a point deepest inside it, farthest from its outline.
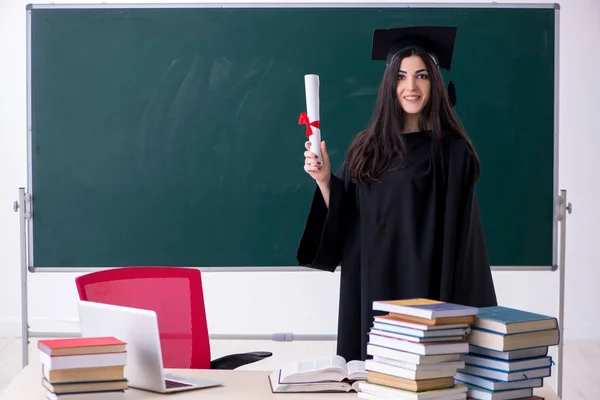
(87, 345)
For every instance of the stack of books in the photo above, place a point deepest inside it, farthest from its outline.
(416, 350)
(508, 354)
(83, 368)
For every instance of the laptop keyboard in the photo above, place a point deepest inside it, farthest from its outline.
(174, 384)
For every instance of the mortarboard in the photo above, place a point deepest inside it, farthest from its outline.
(438, 41)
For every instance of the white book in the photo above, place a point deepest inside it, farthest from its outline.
(419, 348)
(117, 395)
(369, 396)
(373, 391)
(388, 369)
(412, 358)
(334, 368)
(326, 374)
(420, 367)
(83, 360)
(310, 387)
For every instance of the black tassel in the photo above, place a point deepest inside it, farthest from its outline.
(452, 93)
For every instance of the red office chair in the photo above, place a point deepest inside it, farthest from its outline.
(175, 294)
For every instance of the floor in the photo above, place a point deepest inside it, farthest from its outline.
(581, 376)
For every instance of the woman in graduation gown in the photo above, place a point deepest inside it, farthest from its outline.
(401, 215)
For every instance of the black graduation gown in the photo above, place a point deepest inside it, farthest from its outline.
(416, 232)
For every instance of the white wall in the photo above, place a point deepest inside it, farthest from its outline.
(307, 302)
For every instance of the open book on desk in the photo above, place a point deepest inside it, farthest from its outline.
(327, 374)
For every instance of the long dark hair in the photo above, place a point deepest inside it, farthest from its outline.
(372, 149)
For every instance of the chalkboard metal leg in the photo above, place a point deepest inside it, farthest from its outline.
(562, 217)
(21, 207)
(276, 337)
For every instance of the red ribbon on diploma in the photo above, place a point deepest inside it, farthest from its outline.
(304, 120)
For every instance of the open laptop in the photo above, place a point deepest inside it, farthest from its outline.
(139, 329)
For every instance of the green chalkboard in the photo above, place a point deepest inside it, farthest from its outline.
(170, 136)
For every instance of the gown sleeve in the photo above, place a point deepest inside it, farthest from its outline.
(466, 271)
(324, 234)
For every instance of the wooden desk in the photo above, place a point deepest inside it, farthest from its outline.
(237, 384)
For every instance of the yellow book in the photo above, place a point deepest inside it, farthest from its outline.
(424, 308)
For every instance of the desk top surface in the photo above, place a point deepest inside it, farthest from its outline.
(237, 384)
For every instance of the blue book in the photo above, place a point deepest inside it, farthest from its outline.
(497, 385)
(505, 376)
(479, 360)
(520, 354)
(475, 392)
(510, 320)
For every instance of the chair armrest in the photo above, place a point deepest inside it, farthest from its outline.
(232, 361)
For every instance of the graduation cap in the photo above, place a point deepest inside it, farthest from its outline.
(438, 41)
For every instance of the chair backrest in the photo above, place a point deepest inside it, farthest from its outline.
(175, 294)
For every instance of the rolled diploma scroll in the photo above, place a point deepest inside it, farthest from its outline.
(311, 85)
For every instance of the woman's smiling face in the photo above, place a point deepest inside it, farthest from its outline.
(414, 87)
